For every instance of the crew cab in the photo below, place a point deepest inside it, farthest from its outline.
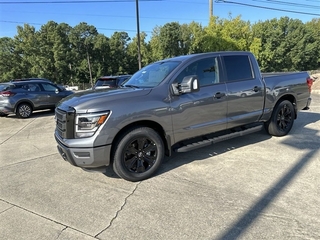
(177, 104)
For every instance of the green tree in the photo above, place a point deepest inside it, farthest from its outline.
(195, 38)
(170, 40)
(313, 49)
(286, 45)
(231, 34)
(132, 52)
(101, 56)
(27, 48)
(154, 44)
(10, 67)
(82, 38)
(62, 53)
(118, 53)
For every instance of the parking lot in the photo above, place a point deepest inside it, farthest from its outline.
(252, 187)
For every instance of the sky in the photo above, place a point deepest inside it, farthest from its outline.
(109, 16)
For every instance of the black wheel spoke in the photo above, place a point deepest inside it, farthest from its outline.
(150, 159)
(131, 162)
(149, 148)
(131, 150)
(140, 167)
(141, 143)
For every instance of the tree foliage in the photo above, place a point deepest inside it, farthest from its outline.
(79, 54)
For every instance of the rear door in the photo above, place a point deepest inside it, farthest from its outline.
(199, 113)
(245, 90)
(32, 92)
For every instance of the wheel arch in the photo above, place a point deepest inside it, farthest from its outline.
(291, 99)
(24, 101)
(146, 123)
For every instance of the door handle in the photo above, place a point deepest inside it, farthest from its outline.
(256, 89)
(219, 95)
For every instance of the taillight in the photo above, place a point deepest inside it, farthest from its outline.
(309, 82)
(7, 93)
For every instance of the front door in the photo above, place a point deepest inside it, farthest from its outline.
(202, 112)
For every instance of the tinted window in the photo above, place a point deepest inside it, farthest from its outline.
(207, 71)
(31, 87)
(48, 87)
(4, 87)
(106, 82)
(238, 67)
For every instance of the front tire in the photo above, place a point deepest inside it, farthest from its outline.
(138, 154)
(24, 110)
(282, 119)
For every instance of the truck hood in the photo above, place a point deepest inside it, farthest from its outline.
(96, 100)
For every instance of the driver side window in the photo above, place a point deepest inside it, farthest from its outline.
(206, 70)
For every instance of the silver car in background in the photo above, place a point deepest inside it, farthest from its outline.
(24, 97)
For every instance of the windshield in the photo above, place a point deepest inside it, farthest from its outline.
(152, 75)
(106, 82)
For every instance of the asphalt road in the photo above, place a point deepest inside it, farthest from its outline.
(252, 187)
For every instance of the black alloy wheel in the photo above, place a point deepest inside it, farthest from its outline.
(138, 154)
(282, 119)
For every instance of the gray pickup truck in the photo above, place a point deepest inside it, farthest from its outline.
(177, 104)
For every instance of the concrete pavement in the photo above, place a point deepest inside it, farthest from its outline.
(252, 187)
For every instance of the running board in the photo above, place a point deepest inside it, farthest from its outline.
(221, 138)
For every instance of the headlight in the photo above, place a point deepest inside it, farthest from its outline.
(88, 124)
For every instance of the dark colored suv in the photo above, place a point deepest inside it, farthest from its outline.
(110, 81)
(23, 97)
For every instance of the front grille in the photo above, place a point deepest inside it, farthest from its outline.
(65, 123)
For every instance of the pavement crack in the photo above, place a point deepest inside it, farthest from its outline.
(65, 227)
(17, 132)
(120, 209)
(28, 160)
(7, 209)
(61, 232)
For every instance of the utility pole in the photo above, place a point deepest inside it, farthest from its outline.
(210, 8)
(138, 33)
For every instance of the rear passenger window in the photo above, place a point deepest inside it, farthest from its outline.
(238, 67)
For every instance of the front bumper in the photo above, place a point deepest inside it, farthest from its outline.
(89, 158)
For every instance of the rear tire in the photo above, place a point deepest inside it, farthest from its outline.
(282, 119)
(24, 110)
(138, 154)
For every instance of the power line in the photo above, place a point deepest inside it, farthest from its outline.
(269, 8)
(84, 1)
(288, 4)
(106, 29)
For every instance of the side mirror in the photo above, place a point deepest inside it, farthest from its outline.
(56, 91)
(188, 84)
